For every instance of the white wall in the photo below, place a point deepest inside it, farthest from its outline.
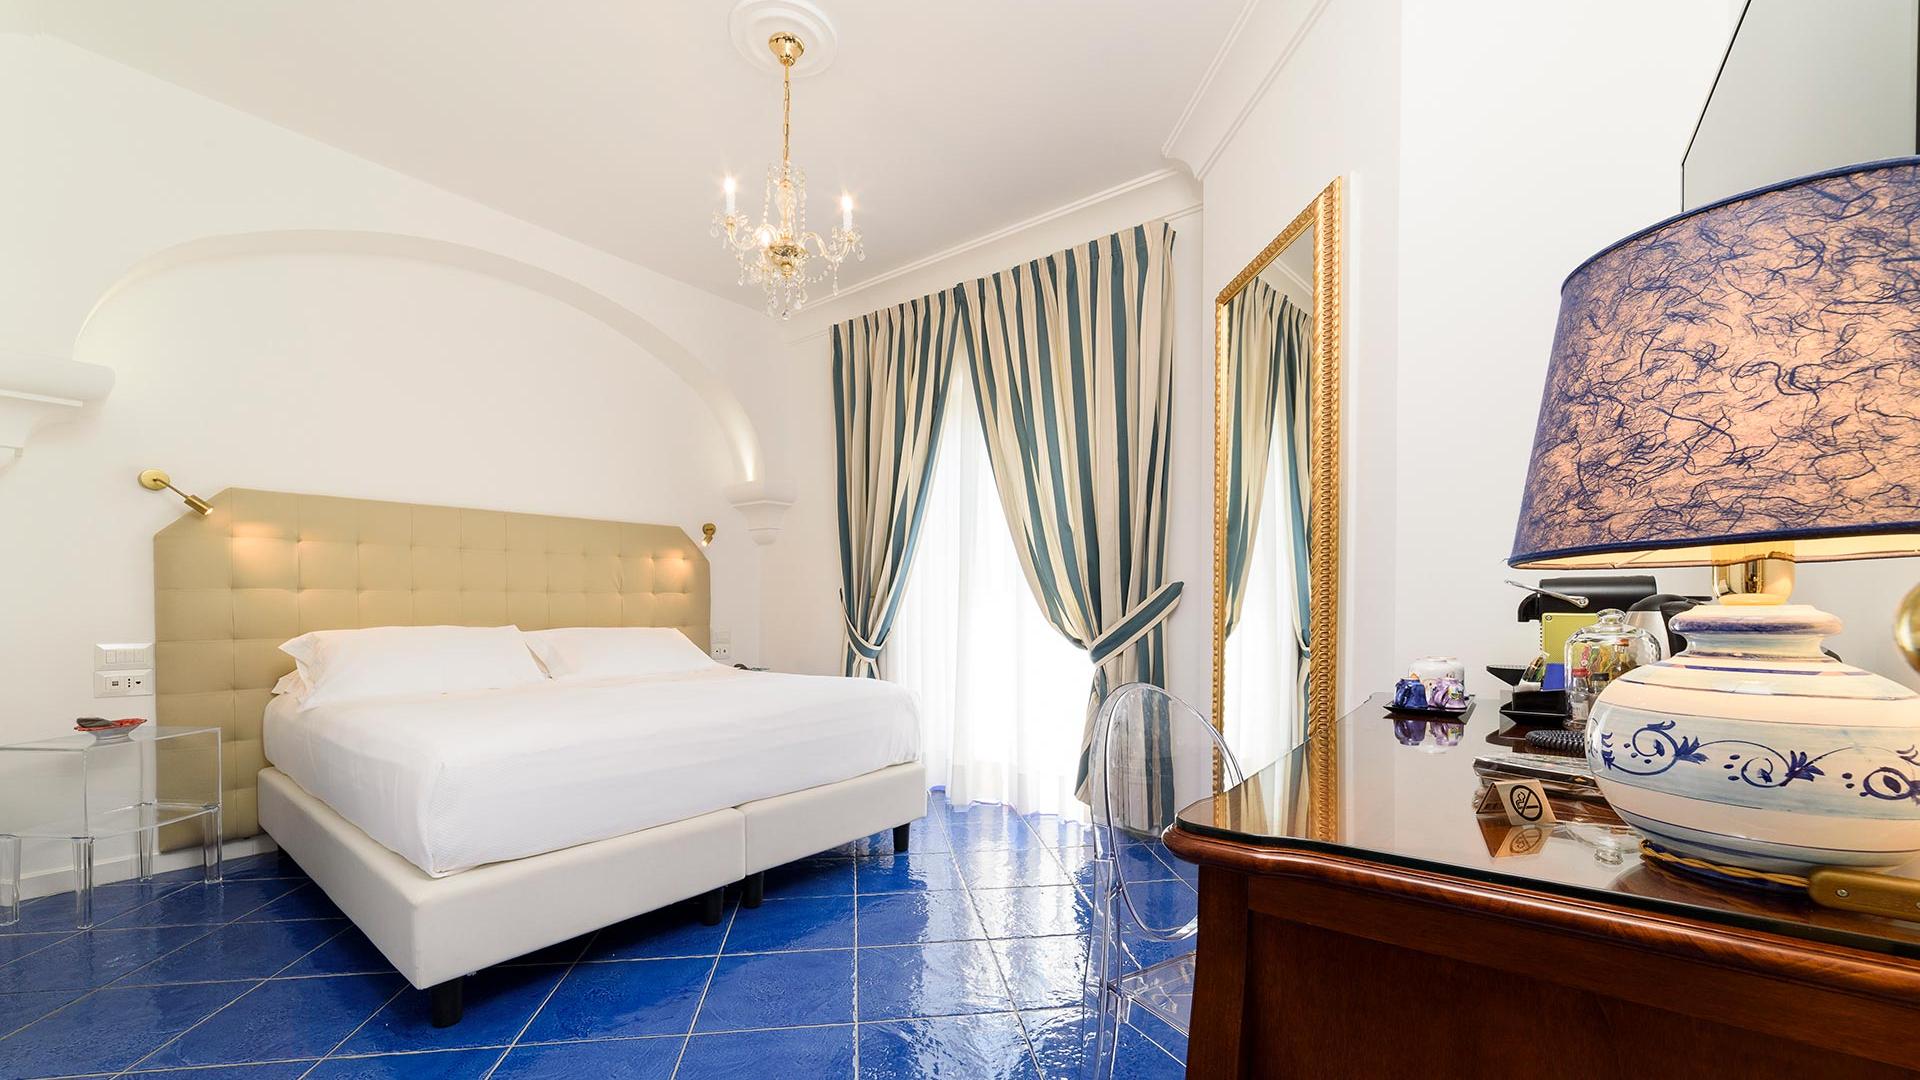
(1532, 136)
(1310, 91)
(363, 375)
(802, 629)
(1488, 147)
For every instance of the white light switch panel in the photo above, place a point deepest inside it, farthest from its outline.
(122, 683)
(121, 657)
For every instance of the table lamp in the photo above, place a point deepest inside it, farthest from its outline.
(1739, 387)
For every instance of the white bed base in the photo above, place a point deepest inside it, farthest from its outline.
(434, 930)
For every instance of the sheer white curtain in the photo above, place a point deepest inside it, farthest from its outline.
(1262, 657)
(1002, 694)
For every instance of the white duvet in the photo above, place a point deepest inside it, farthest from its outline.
(453, 781)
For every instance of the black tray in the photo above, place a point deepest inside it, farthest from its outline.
(1436, 714)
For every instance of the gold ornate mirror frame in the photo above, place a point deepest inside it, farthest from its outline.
(1322, 215)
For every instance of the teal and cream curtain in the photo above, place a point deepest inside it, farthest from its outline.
(1295, 426)
(890, 375)
(1072, 365)
(1266, 335)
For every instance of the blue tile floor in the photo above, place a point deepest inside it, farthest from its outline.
(963, 958)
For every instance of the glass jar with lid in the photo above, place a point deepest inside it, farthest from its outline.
(1598, 654)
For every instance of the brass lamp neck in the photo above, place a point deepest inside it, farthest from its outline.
(1753, 582)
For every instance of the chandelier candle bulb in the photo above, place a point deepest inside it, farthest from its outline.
(846, 213)
(730, 188)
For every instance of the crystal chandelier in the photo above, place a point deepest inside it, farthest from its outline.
(779, 254)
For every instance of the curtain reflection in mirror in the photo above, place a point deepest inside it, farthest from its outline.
(1267, 649)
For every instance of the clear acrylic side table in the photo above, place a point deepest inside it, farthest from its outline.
(83, 790)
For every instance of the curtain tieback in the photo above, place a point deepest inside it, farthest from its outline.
(1144, 616)
(867, 651)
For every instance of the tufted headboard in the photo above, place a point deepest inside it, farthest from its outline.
(266, 566)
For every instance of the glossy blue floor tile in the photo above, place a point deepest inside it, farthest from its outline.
(990, 1047)
(790, 989)
(1163, 905)
(1060, 1038)
(989, 827)
(942, 979)
(19, 1010)
(498, 1003)
(812, 877)
(282, 1019)
(620, 1059)
(632, 997)
(911, 918)
(1007, 868)
(817, 1053)
(917, 963)
(782, 925)
(346, 953)
(438, 1065)
(15, 946)
(671, 931)
(94, 958)
(274, 864)
(304, 902)
(200, 904)
(907, 873)
(55, 914)
(279, 1070)
(111, 1029)
(235, 951)
(1044, 972)
(1033, 912)
(1058, 832)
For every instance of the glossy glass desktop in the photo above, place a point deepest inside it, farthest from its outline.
(1407, 790)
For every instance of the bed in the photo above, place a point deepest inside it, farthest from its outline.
(459, 830)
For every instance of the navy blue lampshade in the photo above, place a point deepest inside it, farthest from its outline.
(1739, 382)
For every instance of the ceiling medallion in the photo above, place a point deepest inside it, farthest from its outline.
(779, 254)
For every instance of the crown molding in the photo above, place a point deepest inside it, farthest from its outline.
(1206, 79)
(987, 239)
(997, 235)
(1198, 139)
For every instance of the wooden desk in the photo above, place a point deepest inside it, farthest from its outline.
(1402, 946)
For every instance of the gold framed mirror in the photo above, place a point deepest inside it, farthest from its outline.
(1276, 501)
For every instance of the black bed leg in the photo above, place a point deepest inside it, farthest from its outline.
(447, 1003)
(710, 906)
(754, 890)
(900, 838)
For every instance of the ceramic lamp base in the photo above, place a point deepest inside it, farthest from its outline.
(1753, 748)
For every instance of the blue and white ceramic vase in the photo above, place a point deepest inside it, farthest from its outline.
(1753, 748)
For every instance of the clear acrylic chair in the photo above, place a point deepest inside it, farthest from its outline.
(1152, 755)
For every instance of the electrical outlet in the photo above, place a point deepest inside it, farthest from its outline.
(123, 657)
(723, 651)
(122, 683)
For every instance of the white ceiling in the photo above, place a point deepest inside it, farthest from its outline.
(612, 122)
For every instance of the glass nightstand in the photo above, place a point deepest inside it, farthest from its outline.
(82, 790)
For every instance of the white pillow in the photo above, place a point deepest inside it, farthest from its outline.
(604, 652)
(344, 665)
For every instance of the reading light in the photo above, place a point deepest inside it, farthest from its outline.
(157, 479)
(706, 534)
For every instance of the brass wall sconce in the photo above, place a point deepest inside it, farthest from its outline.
(706, 534)
(157, 479)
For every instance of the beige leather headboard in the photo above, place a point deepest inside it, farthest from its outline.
(265, 566)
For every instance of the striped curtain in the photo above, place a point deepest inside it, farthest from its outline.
(890, 374)
(1267, 340)
(1072, 363)
(1296, 405)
